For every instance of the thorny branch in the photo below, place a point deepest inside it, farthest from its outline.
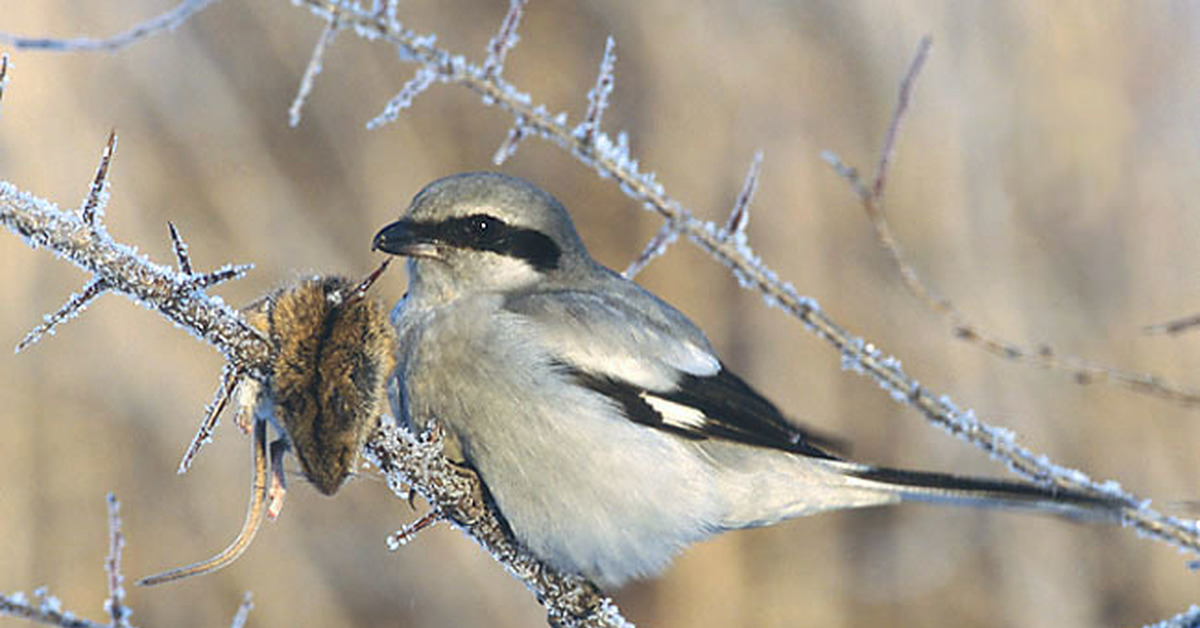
(47, 609)
(612, 160)
(871, 197)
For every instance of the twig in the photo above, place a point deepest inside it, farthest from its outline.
(43, 609)
(313, 69)
(47, 609)
(1176, 326)
(3, 74)
(1187, 619)
(871, 198)
(115, 604)
(666, 235)
(611, 160)
(243, 612)
(155, 25)
(506, 38)
(598, 96)
(902, 100)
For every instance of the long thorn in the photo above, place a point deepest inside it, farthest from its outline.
(70, 309)
(95, 197)
(360, 291)
(181, 249)
(229, 381)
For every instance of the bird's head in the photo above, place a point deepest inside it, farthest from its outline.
(483, 231)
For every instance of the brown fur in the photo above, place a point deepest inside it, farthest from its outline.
(329, 368)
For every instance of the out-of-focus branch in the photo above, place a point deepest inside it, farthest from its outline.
(612, 160)
(115, 603)
(163, 22)
(871, 197)
(47, 609)
(43, 609)
(1177, 326)
(1187, 619)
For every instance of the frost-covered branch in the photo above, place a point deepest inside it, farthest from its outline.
(114, 605)
(871, 197)
(457, 496)
(42, 609)
(167, 21)
(315, 62)
(612, 160)
(47, 609)
(1177, 326)
(1187, 619)
(179, 295)
(243, 612)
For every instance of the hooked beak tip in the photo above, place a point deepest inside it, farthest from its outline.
(404, 238)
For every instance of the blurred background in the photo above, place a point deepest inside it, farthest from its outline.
(1045, 181)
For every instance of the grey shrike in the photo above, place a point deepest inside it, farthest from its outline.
(607, 432)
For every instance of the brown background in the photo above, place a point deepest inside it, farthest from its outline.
(1046, 181)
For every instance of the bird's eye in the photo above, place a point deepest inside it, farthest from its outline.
(483, 224)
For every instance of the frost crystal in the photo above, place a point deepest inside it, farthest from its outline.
(504, 40)
(313, 68)
(664, 238)
(1187, 619)
(420, 81)
(508, 147)
(598, 96)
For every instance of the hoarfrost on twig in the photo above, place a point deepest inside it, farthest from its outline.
(403, 99)
(243, 612)
(598, 96)
(114, 605)
(167, 21)
(663, 239)
(313, 69)
(508, 147)
(506, 37)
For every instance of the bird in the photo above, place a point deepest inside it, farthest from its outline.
(605, 429)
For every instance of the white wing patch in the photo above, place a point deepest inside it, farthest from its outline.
(676, 414)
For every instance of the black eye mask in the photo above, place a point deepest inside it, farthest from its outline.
(481, 232)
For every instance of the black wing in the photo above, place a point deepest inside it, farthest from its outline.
(721, 406)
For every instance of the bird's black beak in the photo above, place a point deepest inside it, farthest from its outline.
(405, 237)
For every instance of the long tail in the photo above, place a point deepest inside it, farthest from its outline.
(254, 518)
(923, 486)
